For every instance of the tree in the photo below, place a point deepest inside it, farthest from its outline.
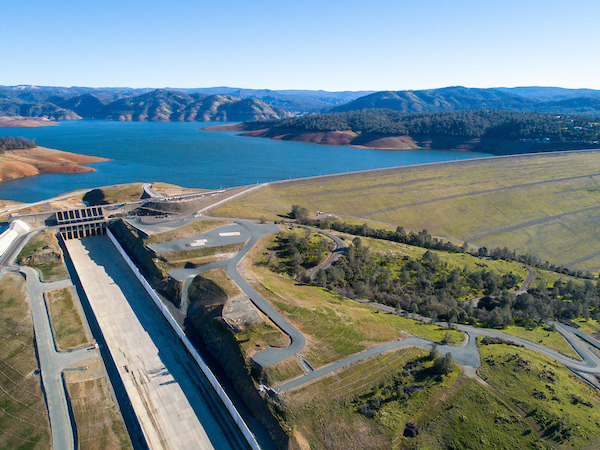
(433, 353)
(447, 338)
(298, 212)
(444, 365)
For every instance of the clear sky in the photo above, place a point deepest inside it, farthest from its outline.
(303, 44)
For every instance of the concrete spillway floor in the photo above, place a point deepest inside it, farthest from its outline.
(163, 383)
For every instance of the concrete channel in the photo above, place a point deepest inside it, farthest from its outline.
(174, 403)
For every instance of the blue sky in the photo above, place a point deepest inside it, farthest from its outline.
(305, 44)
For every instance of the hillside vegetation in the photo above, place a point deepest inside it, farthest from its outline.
(496, 132)
(15, 143)
(544, 205)
(549, 100)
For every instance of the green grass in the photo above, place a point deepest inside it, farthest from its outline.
(476, 201)
(461, 424)
(546, 391)
(419, 406)
(66, 322)
(322, 412)
(589, 327)
(544, 336)
(122, 193)
(334, 327)
(50, 271)
(41, 239)
(283, 370)
(23, 417)
(548, 278)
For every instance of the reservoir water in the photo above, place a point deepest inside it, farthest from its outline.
(183, 154)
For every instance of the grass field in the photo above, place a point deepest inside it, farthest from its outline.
(23, 414)
(590, 327)
(50, 271)
(460, 424)
(334, 328)
(66, 322)
(448, 411)
(543, 204)
(545, 337)
(321, 413)
(564, 407)
(97, 417)
(130, 192)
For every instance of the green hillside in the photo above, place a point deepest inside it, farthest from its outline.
(544, 204)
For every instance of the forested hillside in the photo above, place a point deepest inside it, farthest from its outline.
(473, 123)
(549, 100)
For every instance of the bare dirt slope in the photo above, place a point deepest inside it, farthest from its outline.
(40, 160)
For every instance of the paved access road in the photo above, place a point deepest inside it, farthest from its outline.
(466, 354)
(233, 233)
(222, 236)
(42, 202)
(53, 362)
(337, 253)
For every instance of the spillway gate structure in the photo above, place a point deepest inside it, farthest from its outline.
(81, 222)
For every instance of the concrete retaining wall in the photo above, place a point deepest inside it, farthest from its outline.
(16, 229)
(190, 348)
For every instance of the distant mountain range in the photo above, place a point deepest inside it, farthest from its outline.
(206, 104)
(235, 104)
(525, 99)
(159, 106)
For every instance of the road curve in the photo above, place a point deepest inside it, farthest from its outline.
(340, 249)
(467, 355)
(253, 232)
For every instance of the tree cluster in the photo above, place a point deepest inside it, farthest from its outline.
(298, 252)
(564, 302)
(15, 143)
(426, 286)
(424, 240)
(430, 287)
(469, 123)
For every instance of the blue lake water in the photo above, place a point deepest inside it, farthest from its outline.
(182, 154)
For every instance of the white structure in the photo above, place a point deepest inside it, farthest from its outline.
(15, 229)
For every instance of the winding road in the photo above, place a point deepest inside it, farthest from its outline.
(238, 232)
(465, 354)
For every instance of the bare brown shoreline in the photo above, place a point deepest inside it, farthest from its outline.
(25, 122)
(39, 160)
(387, 142)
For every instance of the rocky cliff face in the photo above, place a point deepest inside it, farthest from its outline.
(50, 253)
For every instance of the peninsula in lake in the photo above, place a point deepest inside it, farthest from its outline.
(21, 157)
(496, 132)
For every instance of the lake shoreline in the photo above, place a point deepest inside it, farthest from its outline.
(180, 153)
(35, 161)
